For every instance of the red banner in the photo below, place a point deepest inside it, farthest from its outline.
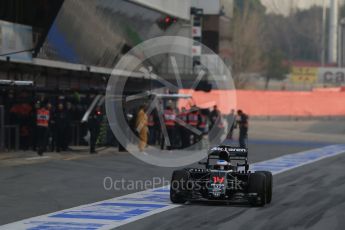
(276, 103)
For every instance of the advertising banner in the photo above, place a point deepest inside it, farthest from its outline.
(332, 76)
(304, 75)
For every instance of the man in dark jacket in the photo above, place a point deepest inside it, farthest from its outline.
(231, 120)
(69, 118)
(216, 125)
(94, 124)
(243, 126)
(61, 124)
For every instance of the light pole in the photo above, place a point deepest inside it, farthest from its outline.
(333, 32)
(341, 47)
(323, 34)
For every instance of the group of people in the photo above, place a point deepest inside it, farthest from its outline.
(239, 121)
(22, 128)
(47, 122)
(185, 128)
(53, 127)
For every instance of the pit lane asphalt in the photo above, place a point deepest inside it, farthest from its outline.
(309, 197)
(36, 189)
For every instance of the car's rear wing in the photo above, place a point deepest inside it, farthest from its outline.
(234, 153)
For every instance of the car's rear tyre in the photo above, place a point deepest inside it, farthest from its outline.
(269, 185)
(257, 184)
(178, 186)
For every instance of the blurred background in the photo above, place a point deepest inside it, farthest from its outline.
(286, 57)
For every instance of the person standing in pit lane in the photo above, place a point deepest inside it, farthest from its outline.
(214, 116)
(202, 125)
(141, 127)
(242, 122)
(183, 131)
(61, 125)
(94, 124)
(42, 122)
(153, 125)
(170, 122)
(216, 125)
(193, 120)
(231, 120)
(51, 128)
(69, 117)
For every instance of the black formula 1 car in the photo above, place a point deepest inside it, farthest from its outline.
(225, 178)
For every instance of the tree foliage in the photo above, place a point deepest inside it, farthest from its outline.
(246, 44)
(275, 67)
(297, 35)
(262, 42)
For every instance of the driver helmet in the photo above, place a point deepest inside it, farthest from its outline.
(222, 164)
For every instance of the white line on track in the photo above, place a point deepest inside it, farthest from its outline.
(37, 158)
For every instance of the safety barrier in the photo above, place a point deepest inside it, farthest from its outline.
(280, 103)
(276, 103)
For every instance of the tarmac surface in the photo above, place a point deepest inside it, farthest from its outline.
(309, 197)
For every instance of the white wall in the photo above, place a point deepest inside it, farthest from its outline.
(176, 8)
(210, 7)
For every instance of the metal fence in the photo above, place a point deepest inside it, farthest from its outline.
(76, 134)
(11, 137)
(9, 134)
